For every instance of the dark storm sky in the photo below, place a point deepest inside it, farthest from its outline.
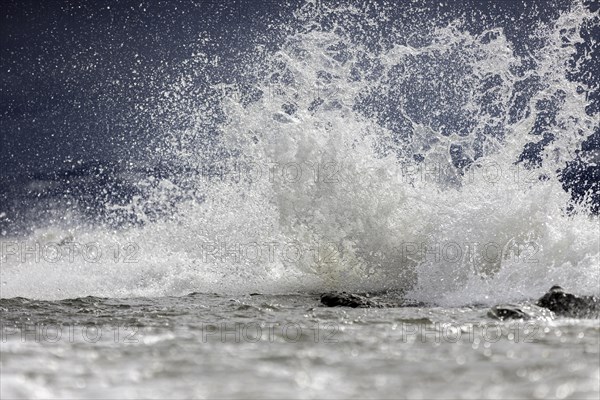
(71, 71)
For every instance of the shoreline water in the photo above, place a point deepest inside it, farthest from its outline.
(287, 346)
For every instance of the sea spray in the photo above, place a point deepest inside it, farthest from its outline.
(354, 155)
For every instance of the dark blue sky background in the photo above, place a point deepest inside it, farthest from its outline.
(71, 71)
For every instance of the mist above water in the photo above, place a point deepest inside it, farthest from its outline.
(359, 151)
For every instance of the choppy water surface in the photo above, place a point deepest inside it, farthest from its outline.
(286, 346)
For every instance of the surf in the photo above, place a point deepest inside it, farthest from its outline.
(343, 158)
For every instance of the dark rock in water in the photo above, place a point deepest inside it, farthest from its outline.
(569, 305)
(556, 302)
(344, 299)
(521, 311)
(507, 312)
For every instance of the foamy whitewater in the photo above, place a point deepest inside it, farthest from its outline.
(334, 170)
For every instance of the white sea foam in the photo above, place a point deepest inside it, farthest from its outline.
(329, 195)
